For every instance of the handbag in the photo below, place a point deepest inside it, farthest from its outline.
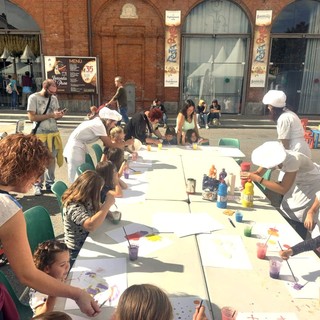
(34, 130)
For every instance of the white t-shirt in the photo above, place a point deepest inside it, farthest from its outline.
(289, 127)
(9, 206)
(87, 132)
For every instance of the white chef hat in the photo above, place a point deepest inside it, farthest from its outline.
(106, 113)
(275, 98)
(269, 155)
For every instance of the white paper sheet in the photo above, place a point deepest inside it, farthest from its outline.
(184, 307)
(266, 316)
(144, 236)
(183, 224)
(223, 251)
(98, 275)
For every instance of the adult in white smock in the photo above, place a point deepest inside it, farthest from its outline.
(89, 132)
(299, 185)
(289, 128)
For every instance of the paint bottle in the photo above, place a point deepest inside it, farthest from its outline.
(222, 174)
(245, 167)
(222, 195)
(247, 195)
(232, 183)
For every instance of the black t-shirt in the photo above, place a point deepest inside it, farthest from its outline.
(138, 127)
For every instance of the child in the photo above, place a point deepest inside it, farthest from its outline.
(53, 315)
(146, 301)
(193, 137)
(53, 258)
(83, 212)
(116, 156)
(117, 134)
(108, 172)
(170, 136)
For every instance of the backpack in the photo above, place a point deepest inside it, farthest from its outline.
(9, 88)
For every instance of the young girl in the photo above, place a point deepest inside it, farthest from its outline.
(83, 212)
(117, 134)
(53, 258)
(193, 137)
(108, 172)
(146, 301)
(53, 315)
(116, 156)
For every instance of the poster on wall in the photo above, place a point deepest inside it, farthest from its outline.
(172, 49)
(72, 74)
(260, 49)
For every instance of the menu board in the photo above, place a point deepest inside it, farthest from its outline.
(72, 74)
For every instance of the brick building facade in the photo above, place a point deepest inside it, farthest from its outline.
(134, 47)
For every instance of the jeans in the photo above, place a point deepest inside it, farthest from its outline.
(164, 119)
(14, 99)
(124, 113)
(49, 176)
(202, 119)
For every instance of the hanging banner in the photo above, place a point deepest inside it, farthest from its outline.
(260, 49)
(72, 74)
(172, 49)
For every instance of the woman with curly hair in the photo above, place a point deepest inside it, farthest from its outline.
(143, 124)
(23, 159)
(82, 210)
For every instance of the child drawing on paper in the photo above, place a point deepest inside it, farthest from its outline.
(51, 257)
(147, 301)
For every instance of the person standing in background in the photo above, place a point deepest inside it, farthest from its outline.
(26, 89)
(121, 98)
(44, 110)
(15, 92)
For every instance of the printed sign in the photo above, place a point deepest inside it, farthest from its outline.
(72, 74)
(260, 48)
(172, 49)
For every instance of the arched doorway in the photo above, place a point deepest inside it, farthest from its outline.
(215, 54)
(129, 42)
(295, 59)
(19, 47)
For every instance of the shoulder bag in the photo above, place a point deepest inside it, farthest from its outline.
(34, 130)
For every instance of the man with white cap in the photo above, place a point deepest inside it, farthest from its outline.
(89, 132)
(289, 128)
(299, 185)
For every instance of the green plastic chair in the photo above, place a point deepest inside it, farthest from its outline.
(266, 176)
(230, 142)
(89, 159)
(24, 310)
(58, 188)
(39, 226)
(84, 167)
(98, 151)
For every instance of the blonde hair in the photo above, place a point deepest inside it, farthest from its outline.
(115, 132)
(144, 302)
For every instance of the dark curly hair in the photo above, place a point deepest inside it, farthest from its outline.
(45, 254)
(155, 114)
(188, 103)
(22, 157)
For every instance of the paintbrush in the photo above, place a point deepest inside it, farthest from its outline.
(294, 278)
(200, 305)
(124, 230)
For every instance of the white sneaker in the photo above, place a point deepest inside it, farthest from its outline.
(207, 127)
(37, 191)
(198, 126)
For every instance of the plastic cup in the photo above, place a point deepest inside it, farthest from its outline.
(239, 216)
(228, 313)
(261, 250)
(148, 147)
(194, 146)
(126, 175)
(274, 270)
(116, 217)
(159, 146)
(133, 252)
(247, 230)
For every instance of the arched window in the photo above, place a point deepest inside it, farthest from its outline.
(295, 59)
(215, 42)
